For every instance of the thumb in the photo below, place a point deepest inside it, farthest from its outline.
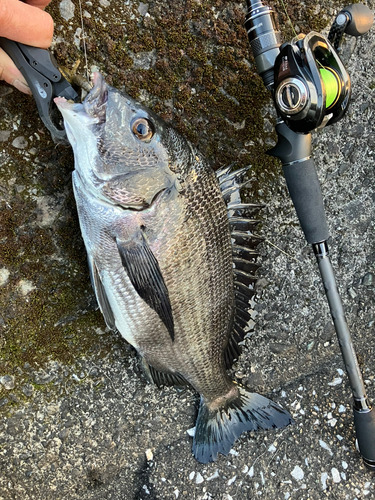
(26, 24)
(11, 74)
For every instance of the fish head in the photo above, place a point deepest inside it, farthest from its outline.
(123, 151)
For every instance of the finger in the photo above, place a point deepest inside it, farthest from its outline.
(41, 4)
(11, 74)
(26, 24)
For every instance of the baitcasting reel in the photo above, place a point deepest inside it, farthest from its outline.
(312, 86)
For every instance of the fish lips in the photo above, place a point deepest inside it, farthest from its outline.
(92, 111)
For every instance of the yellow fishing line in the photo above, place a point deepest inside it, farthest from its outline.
(331, 84)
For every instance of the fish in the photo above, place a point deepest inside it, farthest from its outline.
(172, 257)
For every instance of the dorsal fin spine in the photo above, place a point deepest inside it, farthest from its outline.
(244, 241)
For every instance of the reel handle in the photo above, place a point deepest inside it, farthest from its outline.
(355, 20)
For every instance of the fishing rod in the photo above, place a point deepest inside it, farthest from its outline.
(311, 89)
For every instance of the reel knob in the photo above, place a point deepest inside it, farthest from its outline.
(355, 20)
(291, 96)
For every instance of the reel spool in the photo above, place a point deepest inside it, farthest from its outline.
(312, 86)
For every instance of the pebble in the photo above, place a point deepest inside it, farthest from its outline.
(214, 475)
(325, 446)
(198, 478)
(297, 473)
(28, 390)
(4, 135)
(77, 37)
(368, 279)
(335, 381)
(149, 455)
(323, 479)
(4, 275)
(26, 287)
(143, 8)
(8, 382)
(335, 475)
(20, 142)
(67, 9)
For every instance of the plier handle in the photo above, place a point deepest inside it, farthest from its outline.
(40, 70)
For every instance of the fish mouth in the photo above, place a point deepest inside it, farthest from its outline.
(95, 103)
(90, 114)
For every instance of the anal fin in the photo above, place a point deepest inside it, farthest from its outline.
(162, 378)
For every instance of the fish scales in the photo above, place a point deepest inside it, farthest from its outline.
(158, 240)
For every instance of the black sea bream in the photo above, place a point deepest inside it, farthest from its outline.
(171, 271)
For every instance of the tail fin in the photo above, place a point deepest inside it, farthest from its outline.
(217, 429)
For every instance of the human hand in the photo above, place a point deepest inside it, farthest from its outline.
(24, 22)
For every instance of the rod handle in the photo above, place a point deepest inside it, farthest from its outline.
(294, 151)
(364, 422)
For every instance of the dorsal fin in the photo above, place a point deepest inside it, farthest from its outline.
(245, 265)
(244, 241)
(243, 253)
(236, 209)
(242, 224)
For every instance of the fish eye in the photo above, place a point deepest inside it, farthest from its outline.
(143, 129)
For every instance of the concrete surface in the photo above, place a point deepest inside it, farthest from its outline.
(78, 419)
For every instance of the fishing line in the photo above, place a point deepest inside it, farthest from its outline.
(287, 15)
(84, 41)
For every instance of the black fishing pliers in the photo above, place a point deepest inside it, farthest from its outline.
(40, 70)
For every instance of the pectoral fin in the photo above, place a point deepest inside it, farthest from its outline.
(145, 274)
(101, 295)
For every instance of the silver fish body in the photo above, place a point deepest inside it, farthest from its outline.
(159, 245)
